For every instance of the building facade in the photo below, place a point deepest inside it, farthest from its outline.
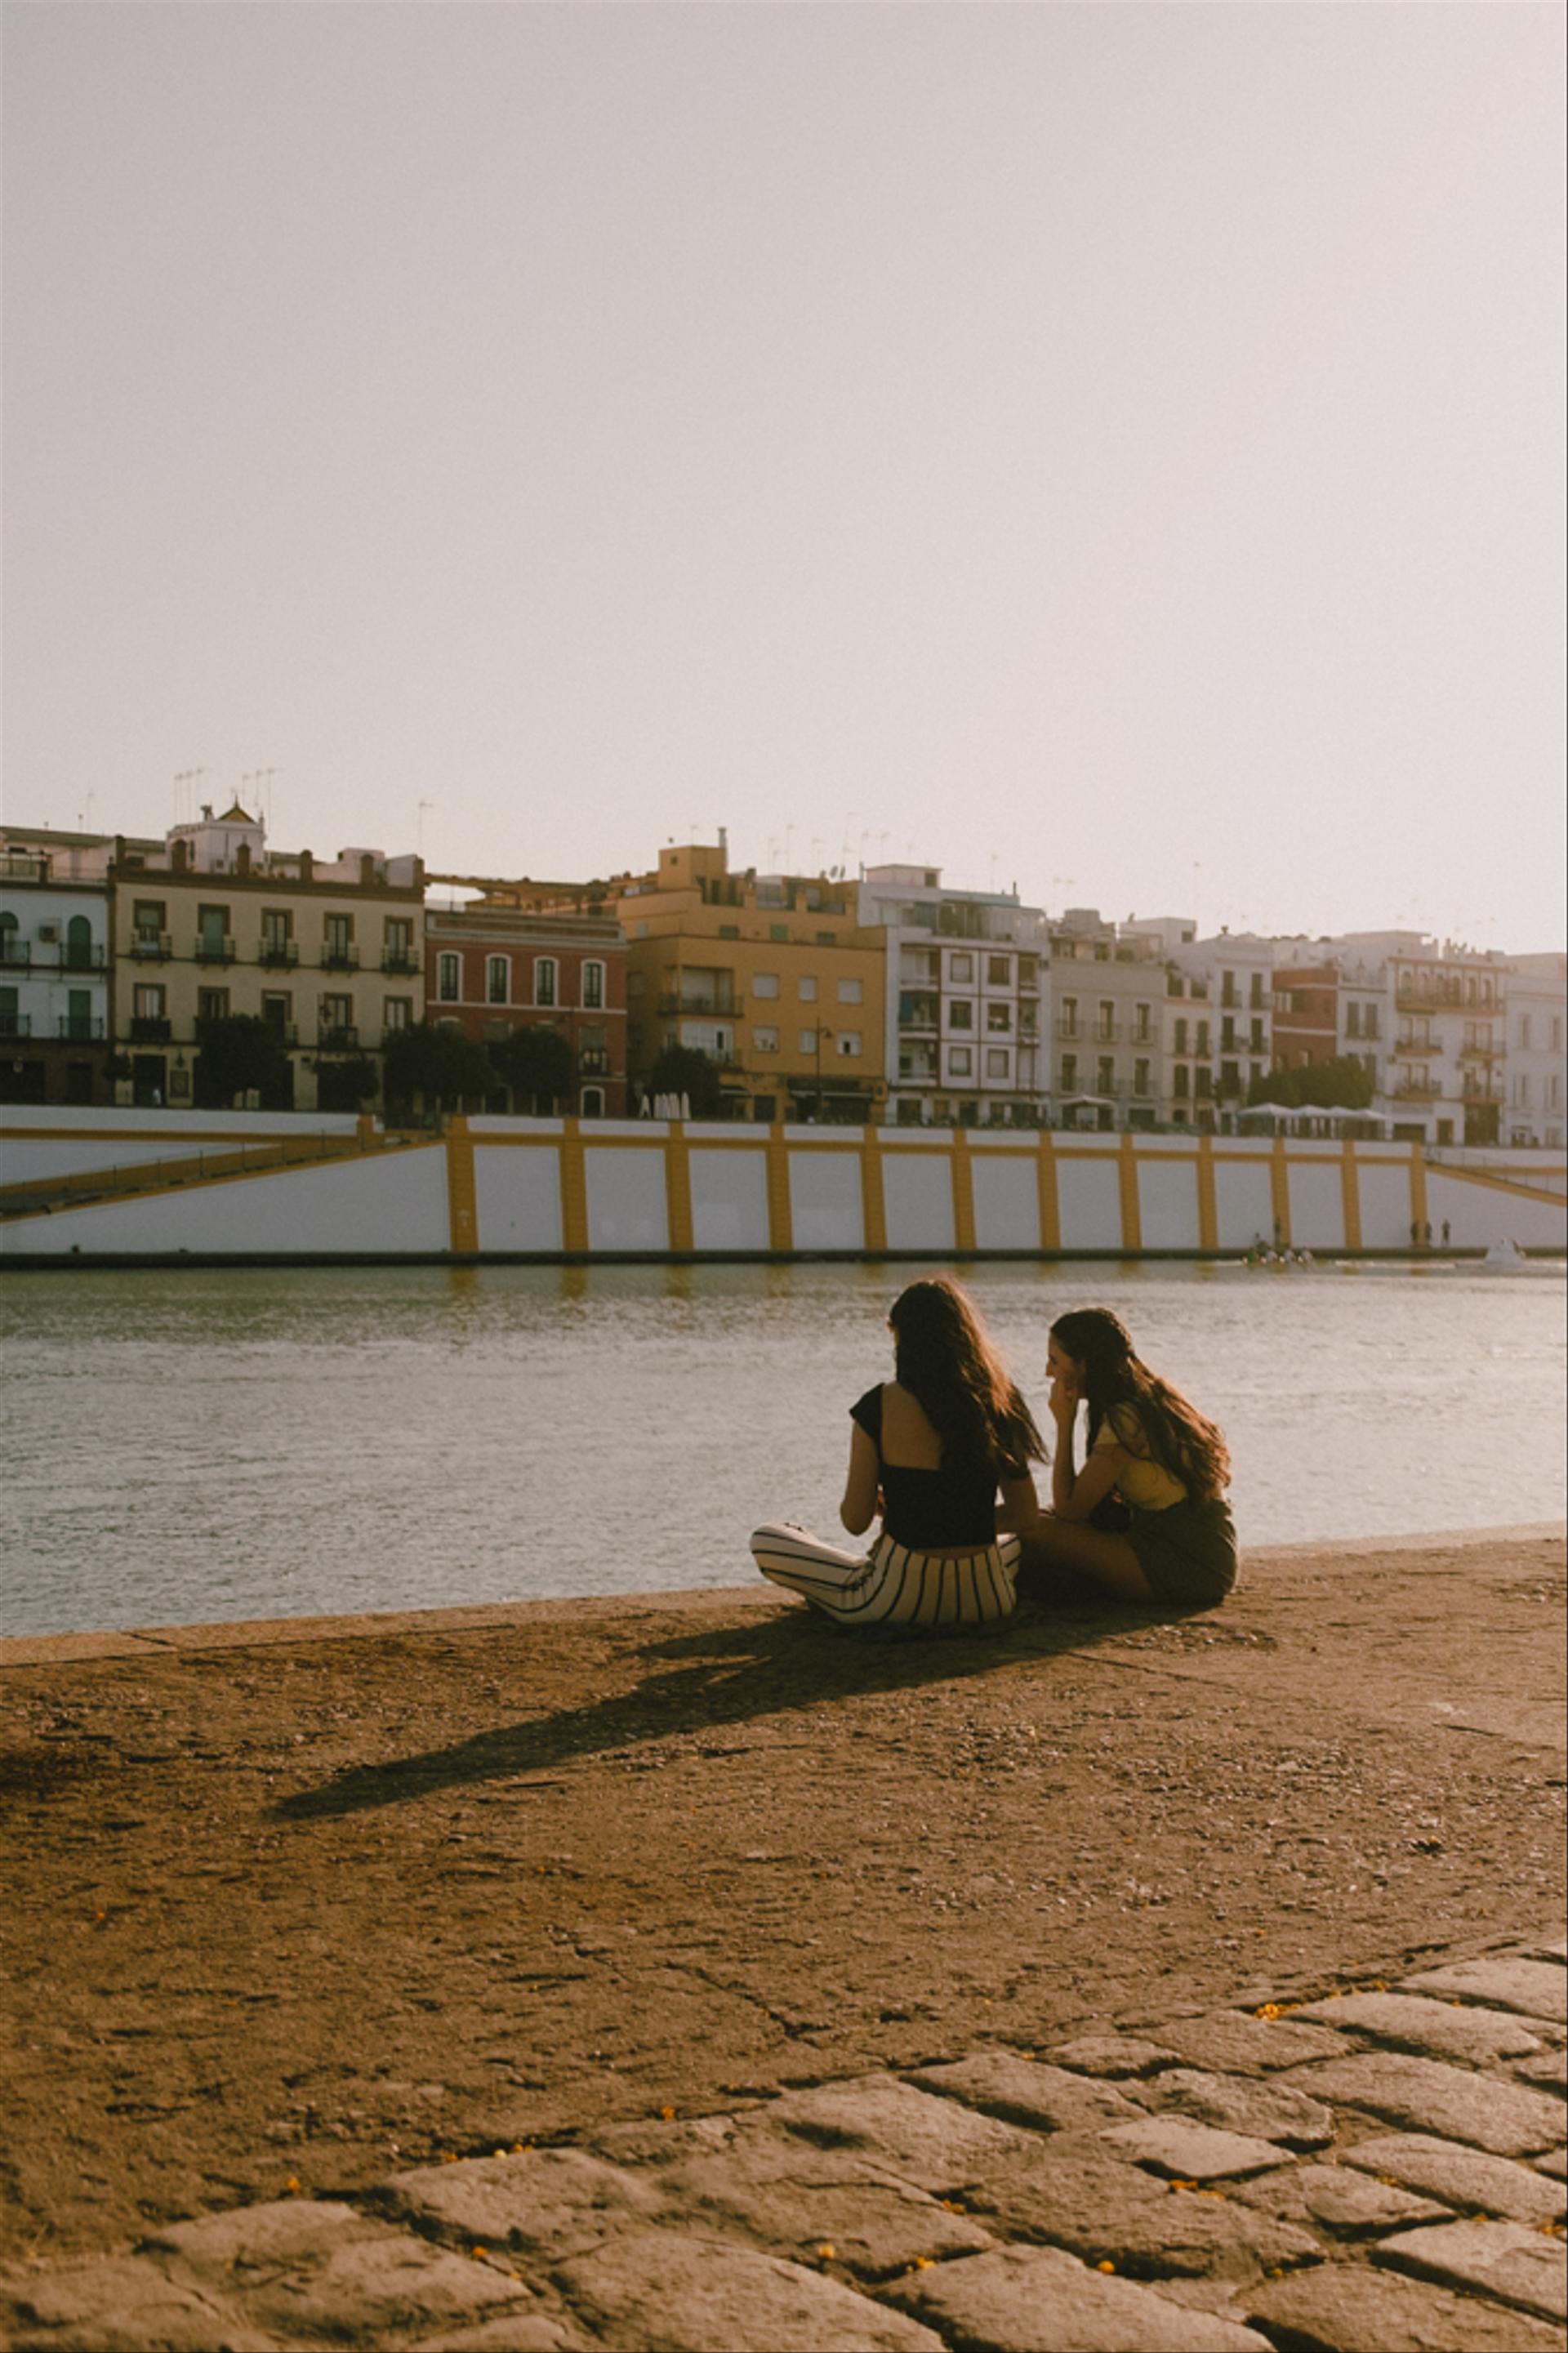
(54, 978)
(965, 1000)
(493, 969)
(1535, 1076)
(210, 924)
(772, 976)
(1107, 995)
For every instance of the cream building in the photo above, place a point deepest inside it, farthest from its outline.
(212, 923)
(1107, 997)
(964, 1005)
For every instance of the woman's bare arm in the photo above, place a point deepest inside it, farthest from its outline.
(1018, 1513)
(861, 1501)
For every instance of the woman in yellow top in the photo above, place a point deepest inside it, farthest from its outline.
(1147, 1444)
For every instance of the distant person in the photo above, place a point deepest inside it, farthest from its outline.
(1147, 1445)
(928, 1452)
(1445, 1233)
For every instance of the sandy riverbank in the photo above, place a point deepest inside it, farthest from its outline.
(289, 1901)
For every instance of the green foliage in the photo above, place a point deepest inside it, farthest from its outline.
(432, 1059)
(237, 1052)
(1343, 1084)
(538, 1065)
(343, 1081)
(687, 1071)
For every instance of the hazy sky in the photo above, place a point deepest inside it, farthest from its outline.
(1063, 443)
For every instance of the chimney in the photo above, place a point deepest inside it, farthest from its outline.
(367, 871)
(307, 867)
(242, 859)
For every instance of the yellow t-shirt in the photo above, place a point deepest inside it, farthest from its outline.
(1144, 1484)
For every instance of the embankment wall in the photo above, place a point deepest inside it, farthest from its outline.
(567, 1188)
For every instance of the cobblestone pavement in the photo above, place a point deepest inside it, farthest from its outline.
(1379, 2171)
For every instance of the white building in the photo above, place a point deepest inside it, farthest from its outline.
(964, 1016)
(1535, 1018)
(1108, 990)
(54, 976)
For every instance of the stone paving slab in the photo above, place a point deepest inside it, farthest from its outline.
(546, 2202)
(1233, 2042)
(1464, 2178)
(1117, 2055)
(1538, 1988)
(1023, 2298)
(1430, 2095)
(1440, 2029)
(657, 2289)
(1264, 2111)
(1332, 2198)
(1171, 2145)
(1350, 2308)
(1023, 2092)
(119, 2304)
(1501, 2259)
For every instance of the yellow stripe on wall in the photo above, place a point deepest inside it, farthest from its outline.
(678, 1188)
(1350, 1179)
(1280, 1185)
(962, 1192)
(1418, 1210)
(874, 1208)
(1208, 1197)
(574, 1188)
(781, 1216)
(462, 1191)
(1051, 1198)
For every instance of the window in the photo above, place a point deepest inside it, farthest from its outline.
(806, 1041)
(765, 984)
(1069, 1017)
(212, 931)
(277, 929)
(824, 939)
(851, 992)
(1140, 1077)
(212, 1005)
(498, 980)
(147, 918)
(960, 968)
(1181, 1044)
(848, 1041)
(1069, 1074)
(593, 1102)
(729, 930)
(998, 971)
(996, 1061)
(276, 1008)
(807, 988)
(999, 1019)
(594, 985)
(1254, 1038)
(764, 1040)
(960, 1062)
(1106, 1082)
(1141, 1024)
(961, 1014)
(1352, 1020)
(1202, 1045)
(448, 977)
(778, 931)
(337, 940)
(78, 941)
(336, 1014)
(545, 980)
(396, 1012)
(1105, 1025)
(1180, 1087)
(1556, 1033)
(398, 948)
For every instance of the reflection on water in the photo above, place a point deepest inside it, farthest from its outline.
(262, 1443)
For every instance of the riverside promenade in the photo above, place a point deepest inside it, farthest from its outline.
(682, 1973)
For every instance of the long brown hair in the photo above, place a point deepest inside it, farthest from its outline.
(1181, 1440)
(944, 1357)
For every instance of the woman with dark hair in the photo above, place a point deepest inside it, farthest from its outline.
(1149, 1445)
(928, 1452)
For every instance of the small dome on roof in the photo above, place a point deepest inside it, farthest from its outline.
(236, 815)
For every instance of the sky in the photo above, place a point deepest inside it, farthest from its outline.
(1115, 450)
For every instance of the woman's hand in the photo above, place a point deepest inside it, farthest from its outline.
(1063, 1399)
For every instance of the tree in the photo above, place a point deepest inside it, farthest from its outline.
(434, 1060)
(538, 1065)
(1343, 1084)
(687, 1071)
(343, 1081)
(239, 1053)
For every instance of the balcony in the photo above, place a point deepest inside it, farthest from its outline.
(916, 1013)
(337, 1037)
(594, 1062)
(340, 955)
(1106, 1033)
(286, 1032)
(151, 1029)
(20, 867)
(212, 948)
(399, 960)
(704, 1003)
(13, 951)
(84, 1026)
(151, 947)
(88, 959)
(1068, 1026)
(1418, 1091)
(16, 1025)
(1474, 1052)
(274, 952)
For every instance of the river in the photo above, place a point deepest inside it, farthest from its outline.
(218, 1444)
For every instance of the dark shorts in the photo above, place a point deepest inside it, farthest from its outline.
(1187, 1553)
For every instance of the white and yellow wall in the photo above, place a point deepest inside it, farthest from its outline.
(552, 1188)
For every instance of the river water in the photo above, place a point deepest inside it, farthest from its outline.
(258, 1443)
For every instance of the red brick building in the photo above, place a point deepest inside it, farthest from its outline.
(494, 969)
(1305, 1015)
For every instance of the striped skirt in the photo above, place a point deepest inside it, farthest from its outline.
(892, 1585)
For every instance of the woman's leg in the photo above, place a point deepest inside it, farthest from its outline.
(1110, 1561)
(803, 1564)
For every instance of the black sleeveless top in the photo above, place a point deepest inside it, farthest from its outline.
(927, 1508)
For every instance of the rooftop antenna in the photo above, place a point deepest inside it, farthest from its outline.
(419, 809)
(844, 852)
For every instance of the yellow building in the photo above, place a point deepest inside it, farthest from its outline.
(770, 975)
